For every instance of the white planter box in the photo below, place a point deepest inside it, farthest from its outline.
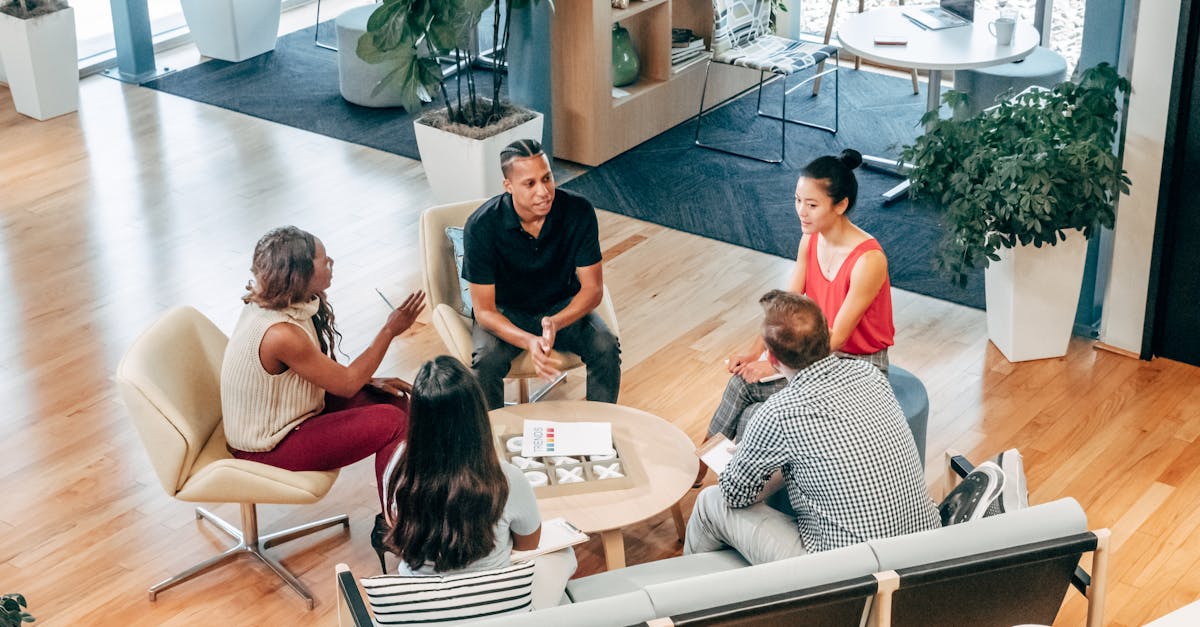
(41, 63)
(233, 30)
(1032, 294)
(459, 168)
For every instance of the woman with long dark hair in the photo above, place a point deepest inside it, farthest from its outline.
(838, 265)
(285, 399)
(455, 506)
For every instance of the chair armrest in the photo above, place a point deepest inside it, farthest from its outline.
(352, 611)
(455, 331)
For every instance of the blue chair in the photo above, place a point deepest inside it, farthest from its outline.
(1043, 67)
(914, 401)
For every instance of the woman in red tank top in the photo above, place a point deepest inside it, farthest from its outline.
(838, 265)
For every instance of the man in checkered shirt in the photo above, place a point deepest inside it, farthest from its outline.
(835, 437)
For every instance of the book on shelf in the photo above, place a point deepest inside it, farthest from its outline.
(687, 50)
(680, 37)
(679, 66)
(557, 533)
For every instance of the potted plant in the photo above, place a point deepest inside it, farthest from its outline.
(1023, 185)
(41, 60)
(460, 141)
(232, 30)
(12, 611)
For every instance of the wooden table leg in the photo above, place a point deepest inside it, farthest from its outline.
(680, 525)
(614, 548)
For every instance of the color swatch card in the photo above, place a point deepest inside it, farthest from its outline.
(545, 437)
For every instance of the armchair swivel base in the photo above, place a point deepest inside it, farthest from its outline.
(251, 544)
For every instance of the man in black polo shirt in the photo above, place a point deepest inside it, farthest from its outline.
(532, 258)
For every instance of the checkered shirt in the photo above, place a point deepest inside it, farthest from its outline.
(848, 459)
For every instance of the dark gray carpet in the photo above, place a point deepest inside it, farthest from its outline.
(297, 84)
(669, 181)
(665, 180)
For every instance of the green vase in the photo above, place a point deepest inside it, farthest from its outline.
(625, 63)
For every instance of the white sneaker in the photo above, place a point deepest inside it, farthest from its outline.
(971, 498)
(1015, 494)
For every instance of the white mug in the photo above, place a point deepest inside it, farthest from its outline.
(1002, 28)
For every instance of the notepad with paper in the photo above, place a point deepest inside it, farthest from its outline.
(545, 437)
(717, 452)
(557, 533)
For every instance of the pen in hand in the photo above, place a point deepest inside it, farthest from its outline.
(385, 300)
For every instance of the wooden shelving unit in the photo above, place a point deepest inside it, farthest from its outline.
(590, 125)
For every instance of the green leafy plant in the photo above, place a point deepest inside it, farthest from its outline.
(12, 611)
(1025, 171)
(410, 34)
(26, 9)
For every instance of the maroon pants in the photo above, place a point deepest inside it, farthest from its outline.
(346, 431)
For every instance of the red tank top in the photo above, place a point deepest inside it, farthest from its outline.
(875, 330)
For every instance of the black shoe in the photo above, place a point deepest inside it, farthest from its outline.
(972, 497)
(377, 534)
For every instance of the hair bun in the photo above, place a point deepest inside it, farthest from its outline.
(851, 158)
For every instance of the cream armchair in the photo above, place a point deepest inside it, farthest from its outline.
(440, 278)
(170, 382)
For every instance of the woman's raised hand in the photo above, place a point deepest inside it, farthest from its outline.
(403, 316)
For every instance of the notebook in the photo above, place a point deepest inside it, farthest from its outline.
(934, 18)
(557, 533)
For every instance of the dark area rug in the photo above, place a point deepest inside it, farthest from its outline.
(665, 180)
(297, 84)
(669, 181)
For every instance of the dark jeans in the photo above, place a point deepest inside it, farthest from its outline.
(589, 338)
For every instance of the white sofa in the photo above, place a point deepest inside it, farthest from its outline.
(691, 583)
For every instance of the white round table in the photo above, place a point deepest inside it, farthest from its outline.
(957, 48)
(664, 456)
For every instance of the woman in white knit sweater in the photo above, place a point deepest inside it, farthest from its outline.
(286, 400)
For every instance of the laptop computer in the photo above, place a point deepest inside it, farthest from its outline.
(950, 14)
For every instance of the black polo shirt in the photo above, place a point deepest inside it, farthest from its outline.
(531, 274)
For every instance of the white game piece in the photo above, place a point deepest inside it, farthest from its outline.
(514, 444)
(569, 475)
(607, 471)
(559, 461)
(537, 479)
(524, 463)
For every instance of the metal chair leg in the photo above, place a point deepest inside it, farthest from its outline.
(317, 32)
(249, 543)
(783, 119)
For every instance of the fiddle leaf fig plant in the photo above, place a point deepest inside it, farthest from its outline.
(12, 611)
(409, 35)
(26, 9)
(1026, 171)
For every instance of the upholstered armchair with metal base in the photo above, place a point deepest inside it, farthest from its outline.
(742, 38)
(447, 298)
(170, 382)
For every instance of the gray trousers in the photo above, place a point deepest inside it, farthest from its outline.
(589, 338)
(760, 532)
(741, 399)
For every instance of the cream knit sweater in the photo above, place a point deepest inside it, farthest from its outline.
(260, 408)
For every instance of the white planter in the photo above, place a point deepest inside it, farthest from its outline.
(459, 168)
(1032, 294)
(233, 30)
(41, 63)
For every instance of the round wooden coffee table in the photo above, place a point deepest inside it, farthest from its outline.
(662, 457)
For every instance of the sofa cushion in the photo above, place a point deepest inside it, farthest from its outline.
(635, 578)
(623, 609)
(1043, 522)
(711, 590)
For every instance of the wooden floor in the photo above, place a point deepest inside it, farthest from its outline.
(144, 201)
